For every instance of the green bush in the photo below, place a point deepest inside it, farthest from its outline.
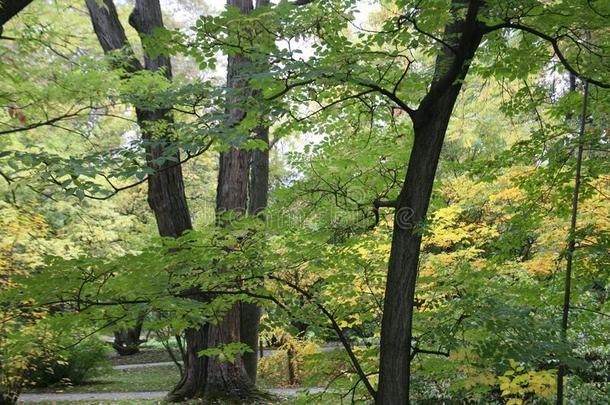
(74, 365)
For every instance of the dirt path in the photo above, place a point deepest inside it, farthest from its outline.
(143, 365)
(117, 396)
(93, 396)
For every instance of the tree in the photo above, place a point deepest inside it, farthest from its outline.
(479, 234)
(166, 196)
(460, 40)
(215, 376)
(10, 8)
(258, 190)
(571, 240)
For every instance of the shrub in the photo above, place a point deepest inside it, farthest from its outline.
(22, 347)
(274, 370)
(74, 365)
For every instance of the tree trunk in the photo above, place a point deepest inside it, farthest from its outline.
(230, 379)
(562, 371)
(127, 341)
(258, 197)
(192, 383)
(430, 124)
(222, 379)
(211, 378)
(10, 8)
(110, 33)
(258, 192)
(166, 195)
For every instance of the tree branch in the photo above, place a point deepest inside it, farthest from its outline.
(10, 8)
(338, 331)
(554, 41)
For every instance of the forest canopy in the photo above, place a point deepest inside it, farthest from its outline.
(404, 201)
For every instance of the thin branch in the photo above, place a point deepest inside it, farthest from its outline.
(554, 41)
(338, 331)
(44, 123)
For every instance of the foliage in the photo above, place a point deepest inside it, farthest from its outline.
(275, 371)
(517, 383)
(72, 366)
(78, 253)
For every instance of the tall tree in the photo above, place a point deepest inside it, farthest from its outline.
(460, 42)
(468, 22)
(561, 372)
(430, 121)
(10, 8)
(166, 195)
(214, 377)
(258, 190)
(231, 378)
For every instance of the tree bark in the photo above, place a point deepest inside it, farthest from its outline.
(258, 193)
(166, 194)
(430, 124)
(10, 8)
(110, 32)
(127, 341)
(226, 379)
(221, 379)
(562, 371)
(258, 197)
(192, 383)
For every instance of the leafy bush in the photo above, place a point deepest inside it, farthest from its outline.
(274, 370)
(73, 365)
(22, 347)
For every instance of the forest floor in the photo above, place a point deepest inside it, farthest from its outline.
(143, 378)
(153, 397)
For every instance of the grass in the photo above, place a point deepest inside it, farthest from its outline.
(123, 402)
(157, 378)
(138, 402)
(272, 373)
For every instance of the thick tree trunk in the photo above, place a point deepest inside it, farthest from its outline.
(230, 379)
(396, 331)
(166, 195)
(109, 31)
(430, 124)
(227, 380)
(10, 8)
(192, 384)
(211, 378)
(127, 341)
(222, 379)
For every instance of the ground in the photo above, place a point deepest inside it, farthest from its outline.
(144, 378)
